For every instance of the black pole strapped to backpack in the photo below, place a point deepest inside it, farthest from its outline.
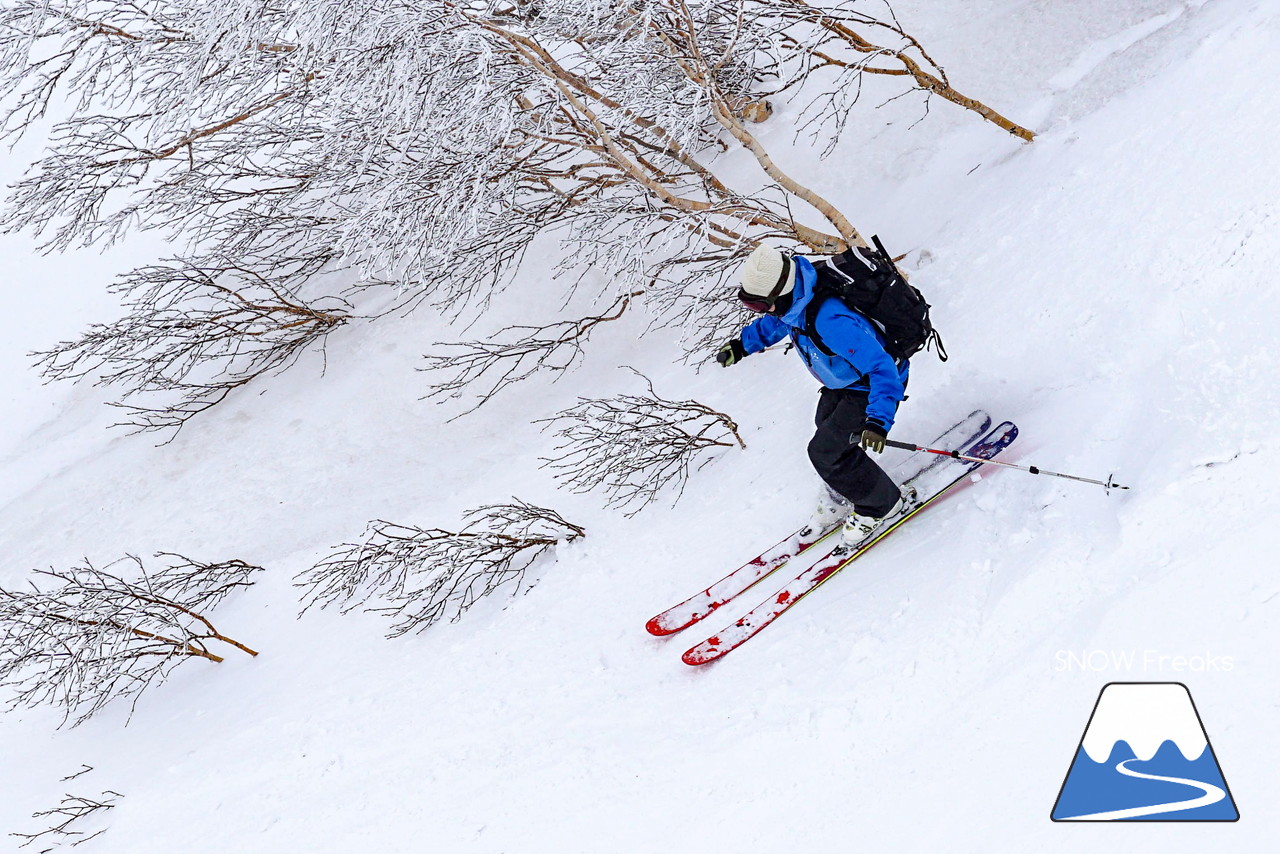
(1108, 484)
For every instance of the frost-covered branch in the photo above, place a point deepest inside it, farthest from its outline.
(420, 576)
(421, 146)
(81, 637)
(633, 446)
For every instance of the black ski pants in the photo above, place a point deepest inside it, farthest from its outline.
(839, 459)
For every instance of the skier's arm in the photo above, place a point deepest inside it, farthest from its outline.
(764, 331)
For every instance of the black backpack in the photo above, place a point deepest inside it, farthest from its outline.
(866, 280)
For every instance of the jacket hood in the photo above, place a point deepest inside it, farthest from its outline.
(806, 279)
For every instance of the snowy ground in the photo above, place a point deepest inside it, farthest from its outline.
(1107, 287)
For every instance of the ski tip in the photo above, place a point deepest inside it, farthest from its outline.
(708, 650)
(655, 627)
(661, 628)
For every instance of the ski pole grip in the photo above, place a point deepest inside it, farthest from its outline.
(905, 446)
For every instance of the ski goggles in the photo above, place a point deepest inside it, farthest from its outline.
(758, 304)
(765, 304)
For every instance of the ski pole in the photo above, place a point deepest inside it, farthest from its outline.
(1108, 484)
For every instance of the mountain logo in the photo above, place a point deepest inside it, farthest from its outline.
(1145, 756)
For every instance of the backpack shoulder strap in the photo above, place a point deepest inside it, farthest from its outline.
(821, 293)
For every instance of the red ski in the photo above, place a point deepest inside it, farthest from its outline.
(741, 579)
(841, 556)
(701, 604)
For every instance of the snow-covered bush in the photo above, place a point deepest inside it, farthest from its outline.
(635, 445)
(358, 143)
(82, 637)
(419, 576)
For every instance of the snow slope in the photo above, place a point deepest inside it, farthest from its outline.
(1107, 287)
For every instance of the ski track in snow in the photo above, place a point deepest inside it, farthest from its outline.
(1099, 52)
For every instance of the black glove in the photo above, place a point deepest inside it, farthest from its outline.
(873, 434)
(731, 353)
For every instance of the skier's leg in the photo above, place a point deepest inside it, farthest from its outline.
(841, 462)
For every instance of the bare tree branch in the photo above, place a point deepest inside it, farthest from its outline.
(191, 336)
(840, 22)
(635, 446)
(70, 814)
(81, 637)
(526, 351)
(419, 576)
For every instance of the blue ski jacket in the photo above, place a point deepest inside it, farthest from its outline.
(860, 363)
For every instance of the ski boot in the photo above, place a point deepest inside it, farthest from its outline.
(831, 510)
(858, 529)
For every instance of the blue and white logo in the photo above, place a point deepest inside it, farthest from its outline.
(1145, 757)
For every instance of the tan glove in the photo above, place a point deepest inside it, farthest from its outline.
(731, 353)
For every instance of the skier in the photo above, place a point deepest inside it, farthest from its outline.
(862, 383)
